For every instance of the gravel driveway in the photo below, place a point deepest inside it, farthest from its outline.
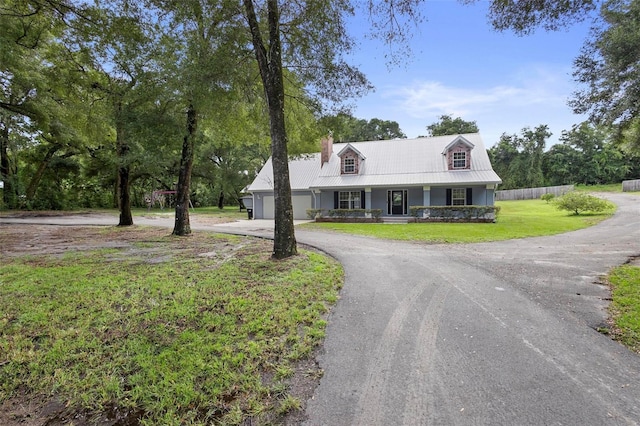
(474, 334)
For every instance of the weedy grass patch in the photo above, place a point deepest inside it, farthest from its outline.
(228, 213)
(517, 219)
(196, 330)
(625, 305)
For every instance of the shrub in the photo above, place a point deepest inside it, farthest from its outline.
(350, 213)
(455, 213)
(314, 213)
(547, 197)
(580, 202)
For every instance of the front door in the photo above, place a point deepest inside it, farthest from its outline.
(397, 202)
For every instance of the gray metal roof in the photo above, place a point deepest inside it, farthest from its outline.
(302, 172)
(398, 162)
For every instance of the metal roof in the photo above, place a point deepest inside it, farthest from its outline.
(388, 163)
(302, 172)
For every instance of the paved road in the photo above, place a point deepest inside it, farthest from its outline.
(479, 334)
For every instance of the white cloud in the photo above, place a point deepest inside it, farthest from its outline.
(532, 95)
(532, 87)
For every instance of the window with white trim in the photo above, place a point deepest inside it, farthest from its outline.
(458, 196)
(349, 165)
(460, 160)
(349, 200)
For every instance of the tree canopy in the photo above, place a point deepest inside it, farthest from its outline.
(346, 128)
(447, 125)
(609, 70)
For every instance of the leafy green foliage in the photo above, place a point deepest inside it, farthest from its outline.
(581, 202)
(518, 158)
(524, 16)
(447, 125)
(455, 213)
(547, 197)
(588, 156)
(346, 128)
(609, 69)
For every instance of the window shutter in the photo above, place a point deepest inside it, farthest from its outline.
(448, 203)
(469, 196)
(335, 199)
(362, 203)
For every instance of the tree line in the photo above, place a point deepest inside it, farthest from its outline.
(102, 102)
(586, 154)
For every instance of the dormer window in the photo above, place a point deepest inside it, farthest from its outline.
(460, 160)
(349, 165)
(458, 154)
(351, 160)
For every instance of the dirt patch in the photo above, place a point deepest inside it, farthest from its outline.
(25, 409)
(633, 261)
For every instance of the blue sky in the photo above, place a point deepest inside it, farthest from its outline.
(460, 66)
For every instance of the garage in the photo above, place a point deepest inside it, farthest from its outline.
(300, 205)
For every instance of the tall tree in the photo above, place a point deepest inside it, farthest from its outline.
(209, 53)
(609, 67)
(447, 125)
(314, 40)
(123, 42)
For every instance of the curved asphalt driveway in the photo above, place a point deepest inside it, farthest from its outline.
(478, 334)
(486, 334)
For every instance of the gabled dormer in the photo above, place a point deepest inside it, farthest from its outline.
(350, 160)
(458, 154)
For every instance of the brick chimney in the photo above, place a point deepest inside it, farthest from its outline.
(326, 150)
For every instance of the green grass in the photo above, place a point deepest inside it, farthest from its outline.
(517, 219)
(611, 187)
(208, 335)
(625, 305)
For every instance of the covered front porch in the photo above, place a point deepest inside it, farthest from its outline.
(397, 201)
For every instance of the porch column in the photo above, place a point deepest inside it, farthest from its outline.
(367, 198)
(490, 195)
(426, 195)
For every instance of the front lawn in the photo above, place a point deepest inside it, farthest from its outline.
(517, 219)
(136, 325)
(625, 305)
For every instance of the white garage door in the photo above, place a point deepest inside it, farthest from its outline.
(300, 205)
(268, 207)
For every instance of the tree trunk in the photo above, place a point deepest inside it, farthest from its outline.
(182, 225)
(126, 218)
(221, 200)
(37, 177)
(8, 196)
(270, 65)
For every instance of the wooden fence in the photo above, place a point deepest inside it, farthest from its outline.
(532, 193)
(631, 185)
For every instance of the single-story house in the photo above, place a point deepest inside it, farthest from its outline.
(389, 175)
